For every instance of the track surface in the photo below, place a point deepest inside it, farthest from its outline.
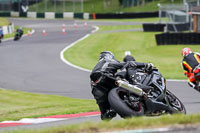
(33, 64)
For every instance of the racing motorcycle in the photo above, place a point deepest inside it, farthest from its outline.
(131, 100)
(18, 35)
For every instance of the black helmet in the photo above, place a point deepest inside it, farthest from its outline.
(106, 55)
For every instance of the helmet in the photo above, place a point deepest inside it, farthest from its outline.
(128, 58)
(106, 55)
(186, 51)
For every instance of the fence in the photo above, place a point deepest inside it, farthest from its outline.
(68, 5)
(175, 14)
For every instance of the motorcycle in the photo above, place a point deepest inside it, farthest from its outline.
(131, 100)
(18, 35)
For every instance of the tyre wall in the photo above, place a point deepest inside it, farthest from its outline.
(177, 38)
(160, 27)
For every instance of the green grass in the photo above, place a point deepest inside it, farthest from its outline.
(97, 6)
(141, 44)
(4, 22)
(151, 6)
(17, 104)
(127, 124)
(119, 27)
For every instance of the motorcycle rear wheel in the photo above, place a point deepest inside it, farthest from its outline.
(175, 102)
(117, 102)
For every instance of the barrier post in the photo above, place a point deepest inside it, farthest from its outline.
(93, 16)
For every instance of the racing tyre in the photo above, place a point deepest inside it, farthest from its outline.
(175, 102)
(118, 99)
(16, 37)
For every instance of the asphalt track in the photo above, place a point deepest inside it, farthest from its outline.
(33, 64)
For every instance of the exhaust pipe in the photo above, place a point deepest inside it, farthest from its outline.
(130, 87)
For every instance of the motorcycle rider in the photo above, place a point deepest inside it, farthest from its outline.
(101, 85)
(191, 65)
(20, 31)
(135, 75)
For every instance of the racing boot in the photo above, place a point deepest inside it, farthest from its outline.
(108, 115)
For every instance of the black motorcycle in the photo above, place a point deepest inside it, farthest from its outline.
(131, 100)
(18, 34)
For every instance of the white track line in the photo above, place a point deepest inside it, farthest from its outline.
(69, 46)
(153, 130)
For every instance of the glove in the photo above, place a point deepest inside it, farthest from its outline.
(149, 67)
(132, 64)
(129, 64)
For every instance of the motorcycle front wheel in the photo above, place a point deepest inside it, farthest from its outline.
(16, 38)
(175, 102)
(118, 99)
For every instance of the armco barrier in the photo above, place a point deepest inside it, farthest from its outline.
(49, 15)
(31, 14)
(79, 15)
(23, 14)
(126, 15)
(5, 14)
(40, 15)
(177, 38)
(59, 15)
(15, 14)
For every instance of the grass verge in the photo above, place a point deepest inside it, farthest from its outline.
(17, 104)
(126, 124)
(141, 44)
(119, 27)
(4, 22)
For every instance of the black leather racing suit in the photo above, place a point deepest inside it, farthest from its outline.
(101, 88)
